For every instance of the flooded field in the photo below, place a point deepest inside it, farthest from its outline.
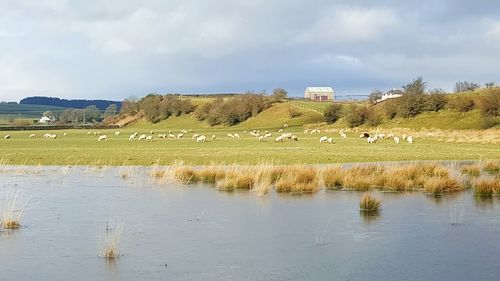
(195, 232)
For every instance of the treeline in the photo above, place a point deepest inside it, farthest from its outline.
(233, 111)
(222, 110)
(415, 100)
(74, 103)
(90, 114)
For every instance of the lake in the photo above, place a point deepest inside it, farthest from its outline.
(174, 232)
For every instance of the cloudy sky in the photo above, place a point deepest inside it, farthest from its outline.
(117, 48)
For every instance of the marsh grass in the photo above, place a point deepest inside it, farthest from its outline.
(440, 185)
(333, 177)
(491, 166)
(262, 185)
(473, 170)
(486, 187)
(12, 209)
(108, 240)
(185, 175)
(211, 174)
(298, 179)
(369, 203)
(237, 177)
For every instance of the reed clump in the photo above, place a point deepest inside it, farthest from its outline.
(109, 239)
(333, 177)
(491, 166)
(473, 170)
(185, 175)
(211, 174)
(369, 203)
(262, 186)
(13, 205)
(237, 178)
(486, 187)
(298, 179)
(440, 185)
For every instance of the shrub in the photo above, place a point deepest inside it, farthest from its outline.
(333, 113)
(462, 103)
(372, 117)
(354, 115)
(489, 103)
(294, 112)
(436, 100)
(391, 108)
(411, 104)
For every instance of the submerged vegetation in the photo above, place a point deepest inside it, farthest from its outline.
(108, 240)
(369, 203)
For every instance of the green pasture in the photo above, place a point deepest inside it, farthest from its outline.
(78, 148)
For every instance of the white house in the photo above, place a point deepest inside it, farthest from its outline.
(319, 93)
(394, 93)
(45, 120)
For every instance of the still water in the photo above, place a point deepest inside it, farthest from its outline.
(172, 232)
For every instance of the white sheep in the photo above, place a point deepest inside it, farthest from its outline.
(371, 139)
(409, 139)
(132, 137)
(195, 136)
(201, 138)
(102, 138)
(236, 136)
(285, 126)
(330, 140)
(65, 134)
(306, 130)
(89, 133)
(279, 139)
(7, 137)
(268, 135)
(179, 136)
(171, 136)
(213, 137)
(142, 137)
(117, 133)
(261, 138)
(280, 130)
(149, 138)
(294, 138)
(404, 137)
(230, 135)
(323, 139)
(32, 136)
(342, 135)
(54, 136)
(287, 135)
(151, 132)
(396, 140)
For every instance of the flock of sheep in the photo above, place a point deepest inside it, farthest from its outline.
(257, 134)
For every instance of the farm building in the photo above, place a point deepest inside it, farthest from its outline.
(45, 120)
(319, 93)
(394, 93)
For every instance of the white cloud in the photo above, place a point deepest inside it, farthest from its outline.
(346, 25)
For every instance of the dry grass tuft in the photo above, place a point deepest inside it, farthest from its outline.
(211, 174)
(333, 177)
(185, 175)
(109, 239)
(440, 185)
(369, 203)
(473, 170)
(298, 180)
(486, 188)
(491, 166)
(237, 178)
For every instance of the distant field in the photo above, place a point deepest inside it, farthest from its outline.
(25, 111)
(78, 148)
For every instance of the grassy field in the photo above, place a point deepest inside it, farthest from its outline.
(78, 148)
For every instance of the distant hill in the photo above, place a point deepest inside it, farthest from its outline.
(30, 111)
(100, 104)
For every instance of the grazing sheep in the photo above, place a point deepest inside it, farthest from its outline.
(236, 136)
(268, 135)
(142, 137)
(330, 140)
(323, 139)
(54, 136)
(132, 137)
(261, 138)
(285, 126)
(45, 135)
(396, 140)
(381, 136)
(149, 138)
(213, 137)
(230, 135)
(294, 138)
(102, 138)
(7, 137)
(279, 139)
(117, 133)
(88, 133)
(179, 136)
(404, 137)
(201, 138)
(315, 131)
(254, 134)
(306, 131)
(32, 136)
(344, 136)
(431, 135)
(195, 136)
(65, 134)
(287, 135)
(151, 132)
(371, 139)
(280, 130)
(171, 136)
(98, 133)
(364, 135)
(390, 136)
(409, 139)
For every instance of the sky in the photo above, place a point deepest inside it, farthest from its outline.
(120, 48)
